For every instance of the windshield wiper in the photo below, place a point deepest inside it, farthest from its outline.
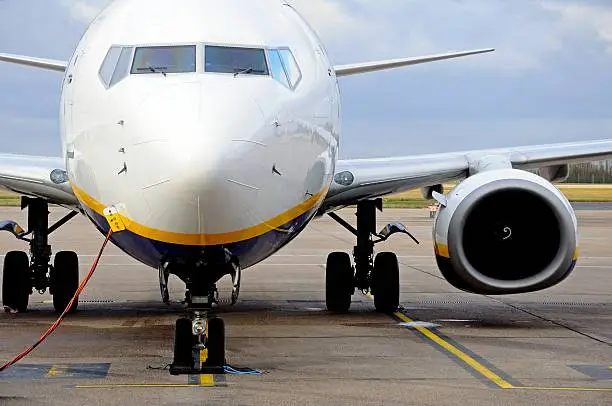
(159, 69)
(240, 72)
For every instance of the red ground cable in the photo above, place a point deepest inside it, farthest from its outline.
(61, 317)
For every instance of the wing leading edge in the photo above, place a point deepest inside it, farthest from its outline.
(49, 64)
(365, 67)
(358, 179)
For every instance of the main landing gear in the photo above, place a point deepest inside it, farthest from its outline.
(378, 274)
(22, 274)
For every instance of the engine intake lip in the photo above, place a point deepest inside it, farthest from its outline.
(484, 284)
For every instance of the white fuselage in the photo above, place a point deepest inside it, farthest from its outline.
(199, 159)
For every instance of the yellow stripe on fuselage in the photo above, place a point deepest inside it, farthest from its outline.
(206, 239)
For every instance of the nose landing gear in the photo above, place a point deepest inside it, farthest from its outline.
(202, 330)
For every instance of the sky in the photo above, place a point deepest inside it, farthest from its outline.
(549, 80)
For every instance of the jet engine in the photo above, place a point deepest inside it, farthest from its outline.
(505, 231)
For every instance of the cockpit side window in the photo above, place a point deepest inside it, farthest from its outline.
(108, 65)
(116, 65)
(277, 68)
(284, 67)
(123, 66)
(291, 66)
(164, 59)
(246, 61)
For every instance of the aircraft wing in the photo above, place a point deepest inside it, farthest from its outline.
(35, 176)
(365, 67)
(49, 64)
(359, 179)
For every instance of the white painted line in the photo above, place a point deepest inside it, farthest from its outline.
(594, 266)
(419, 324)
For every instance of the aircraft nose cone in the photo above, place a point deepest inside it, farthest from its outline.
(189, 131)
(188, 128)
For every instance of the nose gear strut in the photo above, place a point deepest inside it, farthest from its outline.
(201, 330)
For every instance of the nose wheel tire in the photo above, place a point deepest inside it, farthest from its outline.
(215, 343)
(65, 280)
(183, 347)
(16, 286)
(385, 282)
(339, 282)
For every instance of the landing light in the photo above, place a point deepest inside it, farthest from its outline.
(58, 176)
(345, 178)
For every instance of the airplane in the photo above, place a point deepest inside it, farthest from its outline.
(210, 131)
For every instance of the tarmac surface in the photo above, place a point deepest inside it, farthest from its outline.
(444, 347)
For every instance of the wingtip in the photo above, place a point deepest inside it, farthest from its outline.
(482, 50)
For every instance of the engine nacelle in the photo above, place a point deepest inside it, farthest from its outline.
(505, 231)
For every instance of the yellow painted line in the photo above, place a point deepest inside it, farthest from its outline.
(478, 367)
(468, 360)
(54, 371)
(564, 389)
(471, 362)
(205, 379)
(205, 239)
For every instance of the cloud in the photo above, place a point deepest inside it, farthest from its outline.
(526, 34)
(590, 18)
(84, 10)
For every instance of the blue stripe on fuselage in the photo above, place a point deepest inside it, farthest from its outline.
(249, 252)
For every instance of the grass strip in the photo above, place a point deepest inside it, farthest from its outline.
(413, 199)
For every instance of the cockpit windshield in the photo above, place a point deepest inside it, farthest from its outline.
(123, 60)
(236, 60)
(164, 59)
